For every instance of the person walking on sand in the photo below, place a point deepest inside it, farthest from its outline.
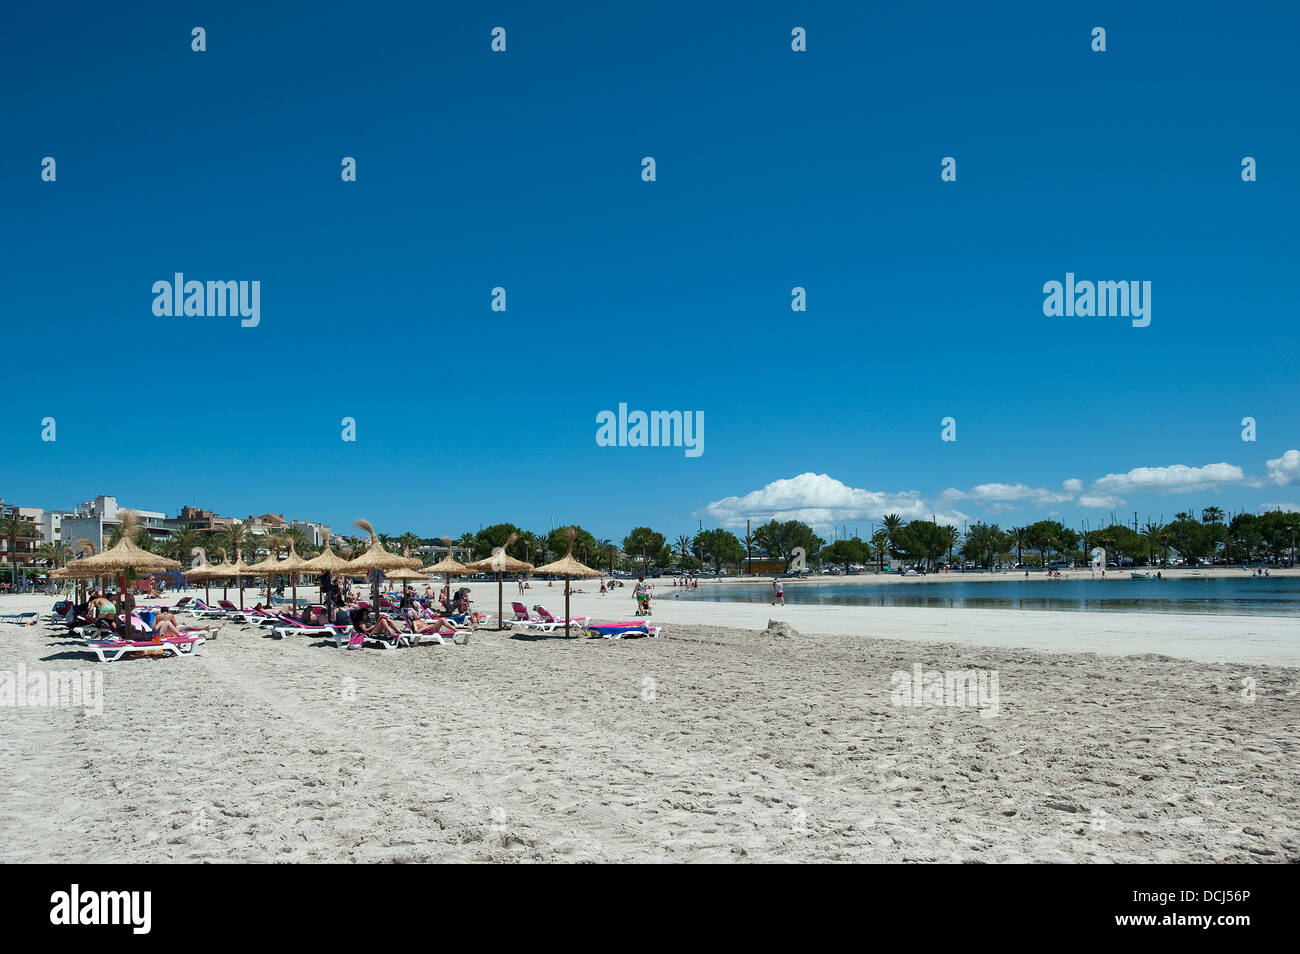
(778, 595)
(642, 593)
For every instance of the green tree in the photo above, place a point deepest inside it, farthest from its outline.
(1018, 537)
(720, 547)
(646, 542)
(893, 523)
(845, 553)
(880, 544)
(180, 544)
(781, 539)
(233, 536)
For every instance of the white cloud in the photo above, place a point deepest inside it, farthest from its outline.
(1285, 469)
(1100, 502)
(999, 497)
(1284, 507)
(1178, 478)
(821, 501)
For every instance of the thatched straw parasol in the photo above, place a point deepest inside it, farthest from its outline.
(267, 568)
(568, 567)
(231, 571)
(376, 558)
(123, 559)
(223, 571)
(500, 563)
(447, 566)
(405, 573)
(292, 564)
(327, 561)
(201, 572)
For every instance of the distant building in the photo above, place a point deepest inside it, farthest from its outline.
(316, 533)
(22, 551)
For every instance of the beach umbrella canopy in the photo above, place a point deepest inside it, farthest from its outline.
(201, 574)
(568, 567)
(293, 565)
(327, 561)
(500, 563)
(223, 571)
(267, 568)
(123, 558)
(127, 555)
(404, 573)
(231, 571)
(376, 558)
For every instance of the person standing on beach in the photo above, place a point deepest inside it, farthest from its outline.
(642, 593)
(778, 595)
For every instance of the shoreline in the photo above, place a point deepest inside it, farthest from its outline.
(1003, 576)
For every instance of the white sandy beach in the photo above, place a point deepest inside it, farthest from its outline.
(713, 743)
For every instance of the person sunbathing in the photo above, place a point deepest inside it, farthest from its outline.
(166, 625)
(382, 626)
(417, 625)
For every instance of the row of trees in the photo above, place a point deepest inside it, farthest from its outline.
(1246, 537)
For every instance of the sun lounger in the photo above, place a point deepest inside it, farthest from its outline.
(620, 630)
(19, 619)
(199, 608)
(449, 629)
(545, 622)
(113, 650)
(295, 627)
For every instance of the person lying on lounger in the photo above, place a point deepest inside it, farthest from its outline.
(165, 625)
(417, 625)
(382, 626)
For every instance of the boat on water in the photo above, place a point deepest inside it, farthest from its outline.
(1143, 576)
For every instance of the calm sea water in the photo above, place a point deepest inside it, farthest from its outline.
(1243, 596)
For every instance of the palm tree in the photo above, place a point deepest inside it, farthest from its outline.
(181, 544)
(543, 543)
(410, 542)
(469, 541)
(1156, 536)
(233, 536)
(528, 542)
(299, 540)
(1018, 537)
(54, 555)
(683, 546)
(880, 543)
(950, 537)
(15, 528)
(1211, 515)
(1291, 525)
(608, 552)
(893, 523)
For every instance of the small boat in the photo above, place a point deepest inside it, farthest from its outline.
(1142, 576)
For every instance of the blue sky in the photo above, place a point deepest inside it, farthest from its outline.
(522, 170)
